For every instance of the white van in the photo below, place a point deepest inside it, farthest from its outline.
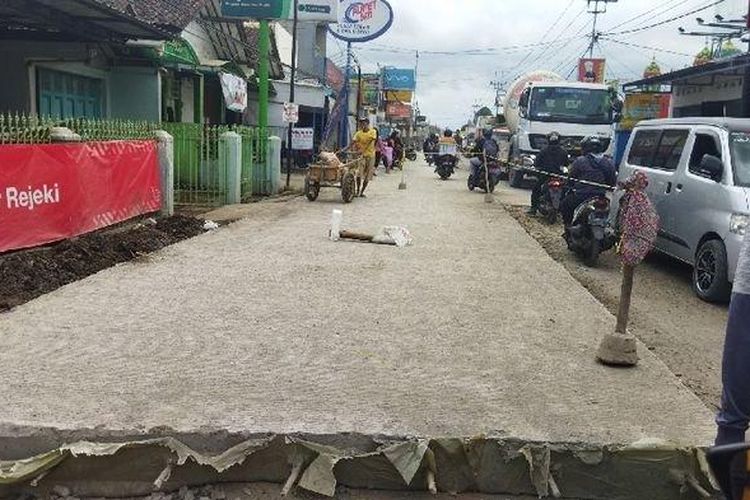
(699, 173)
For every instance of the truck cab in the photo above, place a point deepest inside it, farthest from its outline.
(573, 110)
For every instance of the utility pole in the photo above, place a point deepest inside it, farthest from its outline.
(344, 128)
(596, 7)
(290, 149)
(264, 44)
(499, 87)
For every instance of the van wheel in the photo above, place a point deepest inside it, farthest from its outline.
(711, 271)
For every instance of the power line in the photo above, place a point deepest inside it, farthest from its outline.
(577, 35)
(464, 52)
(655, 49)
(520, 64)
(667, 21)
(644, 14)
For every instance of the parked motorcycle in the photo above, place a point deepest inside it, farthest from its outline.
(479, 180)
(549, 205)
(411, 154)
(590, 233)
(446, 166)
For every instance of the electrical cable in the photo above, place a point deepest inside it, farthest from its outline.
(520, 64)
(667, 21)
(656, 49)
(644, 14)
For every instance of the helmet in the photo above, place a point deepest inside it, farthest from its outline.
(448, 133)
(591, 144)
(553, 138)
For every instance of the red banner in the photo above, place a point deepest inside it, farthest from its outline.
(51, 192)
(398, 111)
(591, 70)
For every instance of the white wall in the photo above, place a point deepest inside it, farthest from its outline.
(198, 38)
(283, 43)
(304, 95)
(724, 89)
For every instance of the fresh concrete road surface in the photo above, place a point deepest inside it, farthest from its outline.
(267, 326)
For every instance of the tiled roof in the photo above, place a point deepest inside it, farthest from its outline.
(171, 15)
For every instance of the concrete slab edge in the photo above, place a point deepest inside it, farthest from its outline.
(492, 465)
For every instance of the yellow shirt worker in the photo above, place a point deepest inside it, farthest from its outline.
(364, 142)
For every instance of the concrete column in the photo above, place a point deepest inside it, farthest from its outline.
(230, 157)
(165, 147)
(274, 165)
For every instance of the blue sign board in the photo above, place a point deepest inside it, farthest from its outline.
(399, 79)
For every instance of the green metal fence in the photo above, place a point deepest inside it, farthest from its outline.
(199, 178)
(29, 129)
(254, 151)
(200, 165)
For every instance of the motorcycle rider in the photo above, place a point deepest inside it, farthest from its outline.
(446, 146)
(551, 160)
(430, 147)
(591, 166)
(485, 145)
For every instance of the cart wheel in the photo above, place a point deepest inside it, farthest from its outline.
(348, 186)
(312, 190)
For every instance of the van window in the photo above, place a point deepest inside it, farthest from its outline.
(705, 144)
(670, 149)
(644, 147)
(740, 142)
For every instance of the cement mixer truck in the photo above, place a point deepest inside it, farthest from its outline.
(542, 102)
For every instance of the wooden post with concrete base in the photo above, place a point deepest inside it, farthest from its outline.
(621, 348)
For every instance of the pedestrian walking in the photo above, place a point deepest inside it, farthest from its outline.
(734, 417)
(364, 142)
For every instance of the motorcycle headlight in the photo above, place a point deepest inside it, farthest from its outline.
(738, 223)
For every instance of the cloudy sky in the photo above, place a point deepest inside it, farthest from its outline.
(451, 84)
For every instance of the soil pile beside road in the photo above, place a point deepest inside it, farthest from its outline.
(28, 274)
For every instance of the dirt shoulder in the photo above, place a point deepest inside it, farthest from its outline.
(28, 274)
(685, 332)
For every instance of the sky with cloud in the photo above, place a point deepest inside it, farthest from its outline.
(466, 44)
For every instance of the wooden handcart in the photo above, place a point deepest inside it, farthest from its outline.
(343, 177)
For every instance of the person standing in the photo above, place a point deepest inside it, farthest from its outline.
(550, 160)
(364, 143)
(734, 416)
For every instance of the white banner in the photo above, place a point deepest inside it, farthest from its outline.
(362, 20)
(291, 112)
(303, 139)
(235, 92)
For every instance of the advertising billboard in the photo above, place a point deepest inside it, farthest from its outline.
(308, 10)
(399, 79)
(398, 111)
(399, 95)
(646, 106)
(362, 20)
(591, 70)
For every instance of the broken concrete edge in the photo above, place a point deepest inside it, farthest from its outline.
(490, 465)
